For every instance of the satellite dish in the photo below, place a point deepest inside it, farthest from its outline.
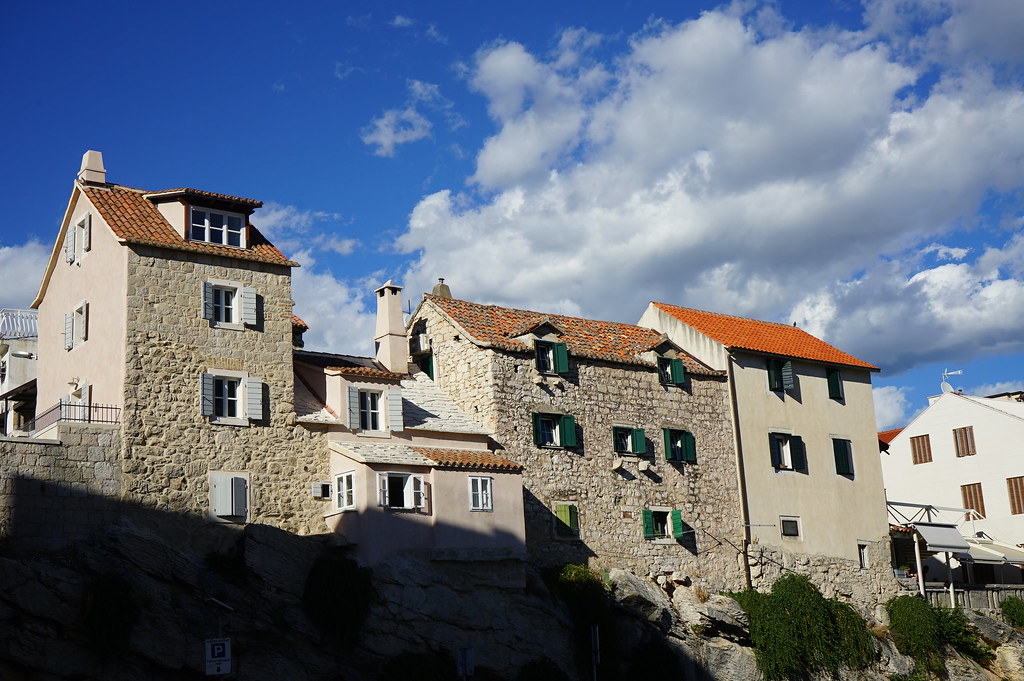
(946, 387)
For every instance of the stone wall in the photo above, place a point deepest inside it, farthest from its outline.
(503, 390)
(168, 447)
(45, 486)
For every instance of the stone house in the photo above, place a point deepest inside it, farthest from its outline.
(806, 442)
(625, 440)
(959, 453)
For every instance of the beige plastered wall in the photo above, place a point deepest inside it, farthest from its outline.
(99, 278)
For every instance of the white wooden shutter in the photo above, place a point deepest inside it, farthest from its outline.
(221, 496)
(353, 407)
(395, 418)
(248, 295)
(382, 489)
(239, 496)
(207, 300)
(206, 394)
(85, 322)
(419, 492)
(69, 330)
(87, 232)
(69, 244)
(254, 399)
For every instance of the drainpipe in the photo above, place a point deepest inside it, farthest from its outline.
(740, 474)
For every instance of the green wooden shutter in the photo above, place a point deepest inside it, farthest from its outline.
(841, 449)
(678, 526)
(639, 441)
(574, 519)
(537, 438)
(788, 380)
(561, 354)
(689, 448)
(568, 519)
(678, 371)
(776, 450)
(835, 384)
(666, 436)
(774, 374)
(798, 452)
(647, 518)
(567, 431)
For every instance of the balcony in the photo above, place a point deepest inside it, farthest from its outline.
(68, 412)
(18, 323)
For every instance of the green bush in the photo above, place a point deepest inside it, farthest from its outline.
(1013, 610)
(957, 631)
(920, 630)
(582, 589)
(796, 631)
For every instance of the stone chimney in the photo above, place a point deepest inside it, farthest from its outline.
(92, 171)
(441, 289)
(390, 339)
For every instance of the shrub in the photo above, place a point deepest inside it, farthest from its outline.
(956, 630)
(1013, 610)
(916, 633)
(582, 589)
(796, 631)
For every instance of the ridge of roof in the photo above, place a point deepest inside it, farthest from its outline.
(772, 338)
(135, 219)
(495, 326)
(201, 193)
(345, 364)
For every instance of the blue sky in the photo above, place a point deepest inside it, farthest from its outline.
(855, 168)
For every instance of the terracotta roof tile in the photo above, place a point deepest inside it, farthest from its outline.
(136, 219)
(298, 323)
(465, 458)
(346, 364)
(886, 436)
(768, 337)
(208, 195)
(497, 326)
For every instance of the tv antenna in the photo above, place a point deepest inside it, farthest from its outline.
(946, 373)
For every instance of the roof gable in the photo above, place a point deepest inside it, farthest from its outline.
(758, 336)
(494, 326)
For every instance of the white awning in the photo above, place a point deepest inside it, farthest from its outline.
(940, 537)
(992, 553)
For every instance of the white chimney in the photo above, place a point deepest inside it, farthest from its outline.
(390, 339)
(92, 171)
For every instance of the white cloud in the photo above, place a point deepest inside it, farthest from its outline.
(23, 266)
(401, 21)
(343, 69)
(996, 388)
(394, 127)
(275, 219)
(335, 310)
(891, 406)
(434, 34)
(759, 175)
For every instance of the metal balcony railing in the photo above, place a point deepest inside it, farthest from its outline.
(69, 412)
(18, 323)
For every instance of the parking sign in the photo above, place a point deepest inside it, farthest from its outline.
(218, 656)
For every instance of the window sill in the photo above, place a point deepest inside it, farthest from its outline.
(481, 510)
(228, 326)
(662, 540)
(229, 421)
(374, 433)
(339, 511)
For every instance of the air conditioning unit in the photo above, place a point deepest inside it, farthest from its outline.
(321, 490)
(420, 343)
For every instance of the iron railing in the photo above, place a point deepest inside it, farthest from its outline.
(69, 412)
(18, 323)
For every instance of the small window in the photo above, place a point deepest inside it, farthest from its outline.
(680, 445)
(835, 383)
(787, 451)
(629, 440)
(345, 484)
(921, 449)
(862, 555)
(229, 496)
(963, 439)
(231, 398)
(843, 451)
(551, 358)
(223, 229)
(671, 371)
(567, 520)
(780, 375)
(76, 326)
(401, 491)
(369, 410)
(664, 523)
(480, 494)
(554, 430)
(790, 526)
(79, 239)
(972, 498)
(228, 304)
(1015, 487)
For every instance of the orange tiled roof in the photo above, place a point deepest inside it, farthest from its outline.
(188, 191)
(465, 458)
(768, 337)
(136, 219)
(296, 322)
(886, 436)
(346, 364)
(497, 326)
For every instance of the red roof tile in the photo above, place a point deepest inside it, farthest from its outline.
(346, 364)
(465, 458)
(768, 337)
(298, 323)
(497, 326)
(136, 219)
(886, 436)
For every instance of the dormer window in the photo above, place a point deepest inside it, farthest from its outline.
(552, 358)
(223, 229)
(671, 371)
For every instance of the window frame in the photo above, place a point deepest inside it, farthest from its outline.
(963, 442)
(671, 371)
(834, 379)
(634, 440)
(781, 375)
(413, 499)
(973, 498)
(687, 445)
(248, 397)
(1015, 491)
(224, 229)
(345, 488)
(370, 415)
(481, 499)
(553, 354)
(78, 239)
(566, 519)
(230, 491)
(563, 430)
(842, 450)
(788, 452)
(243, 307)
(920, 449)
(795, 520)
